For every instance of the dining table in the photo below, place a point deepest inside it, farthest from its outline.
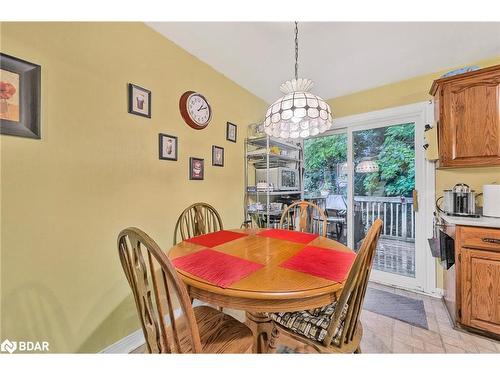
(262, 271)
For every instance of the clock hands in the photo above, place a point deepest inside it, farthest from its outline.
(199, 109)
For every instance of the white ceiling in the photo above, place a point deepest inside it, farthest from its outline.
(341, 58)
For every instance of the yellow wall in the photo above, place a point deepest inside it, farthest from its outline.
(412, 91)
(96, 170)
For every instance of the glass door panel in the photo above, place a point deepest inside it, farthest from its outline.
(384, 180)
(325, 180)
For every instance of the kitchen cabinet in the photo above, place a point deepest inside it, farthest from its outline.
(467, 108)
(478, 278)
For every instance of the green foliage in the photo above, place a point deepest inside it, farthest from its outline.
(396, 160)
(393, 148)
(323, 155)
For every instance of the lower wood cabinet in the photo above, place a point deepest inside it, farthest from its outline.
(478, 281)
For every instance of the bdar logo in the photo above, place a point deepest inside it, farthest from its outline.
(8, 346)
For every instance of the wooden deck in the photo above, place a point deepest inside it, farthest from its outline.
(395, 256)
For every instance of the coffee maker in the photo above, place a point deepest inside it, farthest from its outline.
(460, 201)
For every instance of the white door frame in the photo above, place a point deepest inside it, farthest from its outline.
(419, 114)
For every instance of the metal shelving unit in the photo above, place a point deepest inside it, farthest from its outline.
(258, 155)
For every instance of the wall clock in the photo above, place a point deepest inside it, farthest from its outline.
(195, 110)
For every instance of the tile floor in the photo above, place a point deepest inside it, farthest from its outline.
(386, 335)
(382, 334)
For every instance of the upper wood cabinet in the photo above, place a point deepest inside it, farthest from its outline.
(467, 108)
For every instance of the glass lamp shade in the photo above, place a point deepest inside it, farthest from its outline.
(298, 114)
(367, 166)
(344, 168)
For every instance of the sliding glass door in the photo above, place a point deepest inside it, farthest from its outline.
(325, 180)
(384, 181)
(370, 168)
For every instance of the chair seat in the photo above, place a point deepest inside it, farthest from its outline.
(219, 333)
(312, 324)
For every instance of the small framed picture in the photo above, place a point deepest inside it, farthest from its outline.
(167, 147)
(196, 168)
(217, 156)
(231, 132)
(19, 97)
(139, 101)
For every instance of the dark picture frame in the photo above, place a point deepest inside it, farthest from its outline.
(29, 97)
(215, 162)
(163, 146)
(131, 107)
(193, 174)
(231, 132)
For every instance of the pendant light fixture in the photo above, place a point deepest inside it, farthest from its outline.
(367, 165)
(299, 113)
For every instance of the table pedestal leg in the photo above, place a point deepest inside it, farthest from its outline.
(261, 326)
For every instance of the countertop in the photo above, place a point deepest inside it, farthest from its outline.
(483, 221)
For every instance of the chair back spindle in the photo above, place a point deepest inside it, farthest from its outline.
(197, 219)
(158, 294)
(354, 290)
(304, 216)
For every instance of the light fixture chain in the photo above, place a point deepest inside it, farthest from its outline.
(296, 50)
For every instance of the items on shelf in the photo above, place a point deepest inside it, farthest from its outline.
(264, 186)
(274, 207)
(273, 175)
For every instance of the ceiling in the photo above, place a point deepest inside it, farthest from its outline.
(340, 57)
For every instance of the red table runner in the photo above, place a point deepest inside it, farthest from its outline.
(326, 263)
(289, 235)
(216, 238)
(216, 267)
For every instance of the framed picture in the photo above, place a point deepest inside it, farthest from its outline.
(139, 101)
(217, 156)
(167, 147)
(196, 168)
(231, 132)
(19, 97)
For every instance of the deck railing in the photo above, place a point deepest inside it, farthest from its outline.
(396, 212)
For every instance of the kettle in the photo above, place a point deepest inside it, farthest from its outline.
(460, 201)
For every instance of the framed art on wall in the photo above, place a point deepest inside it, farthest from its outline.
(19, 97)
(196, 168)
(139, 101)
(231, 132)
(217, 156)
(167, 147)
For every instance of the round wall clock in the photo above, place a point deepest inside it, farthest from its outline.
(195, 110)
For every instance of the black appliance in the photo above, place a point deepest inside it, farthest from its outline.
(446, 249)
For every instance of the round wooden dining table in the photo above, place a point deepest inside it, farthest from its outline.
(269, 289)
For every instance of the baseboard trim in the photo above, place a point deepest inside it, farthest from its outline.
(131, 342)
(127, 344)
(436, 293)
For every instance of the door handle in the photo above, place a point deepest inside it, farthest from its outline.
(415, 200)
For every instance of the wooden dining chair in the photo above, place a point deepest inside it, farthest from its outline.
(304, 216)
(334, 328)
(199, 218)
(169, 323)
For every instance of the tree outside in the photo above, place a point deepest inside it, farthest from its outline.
(323, 161)
(392, 148)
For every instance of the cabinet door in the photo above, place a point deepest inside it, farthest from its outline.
(470, 123)
(481, 289)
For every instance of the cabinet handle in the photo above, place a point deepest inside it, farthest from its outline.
(491, 240)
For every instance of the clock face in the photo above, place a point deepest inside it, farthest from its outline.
(198, 109)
